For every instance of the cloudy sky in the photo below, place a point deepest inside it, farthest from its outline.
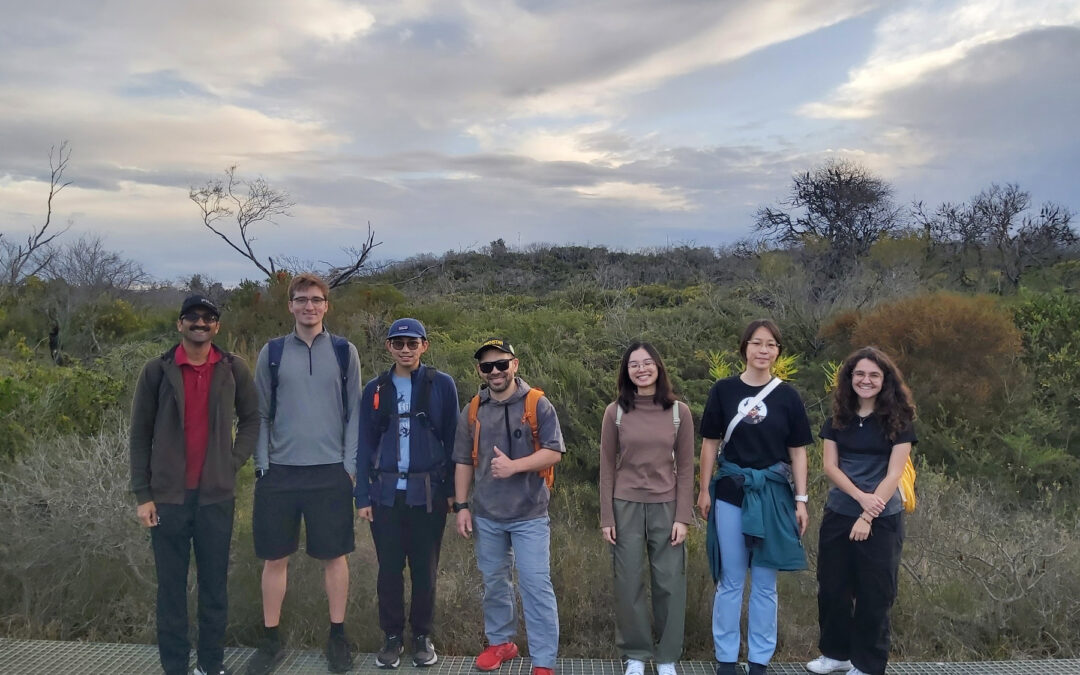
(450, 123)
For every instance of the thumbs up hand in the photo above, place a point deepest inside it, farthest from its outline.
(501, 465)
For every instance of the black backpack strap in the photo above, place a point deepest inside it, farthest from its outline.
(274, 349)
(423, 402)
(341, 350)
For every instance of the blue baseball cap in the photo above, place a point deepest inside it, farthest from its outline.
(406, 328)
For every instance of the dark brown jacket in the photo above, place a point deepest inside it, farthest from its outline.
(157, 430)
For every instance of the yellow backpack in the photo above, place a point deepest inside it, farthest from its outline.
(907, 486)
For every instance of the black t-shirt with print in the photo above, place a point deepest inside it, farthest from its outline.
(863, 452)
(763, 436)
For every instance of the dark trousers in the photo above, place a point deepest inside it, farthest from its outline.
(209, 529)
(407, 533)
(857, 583)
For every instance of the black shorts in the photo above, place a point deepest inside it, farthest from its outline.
(328, 520)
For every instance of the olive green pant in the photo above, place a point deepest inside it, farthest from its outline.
(645, 530)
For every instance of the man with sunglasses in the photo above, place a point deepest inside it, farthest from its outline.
(305, 460)
(408, 420)
(183, 470)
(495, 454)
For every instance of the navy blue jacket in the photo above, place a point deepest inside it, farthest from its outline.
(431, 442)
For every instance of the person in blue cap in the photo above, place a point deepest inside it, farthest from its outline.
(404, 486)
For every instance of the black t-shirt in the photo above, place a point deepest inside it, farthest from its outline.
(863, 452)
(763, 436)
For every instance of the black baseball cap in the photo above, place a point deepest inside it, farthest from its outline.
(502, 344)
(193, 301)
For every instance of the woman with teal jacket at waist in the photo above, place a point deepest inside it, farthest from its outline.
(757, 501)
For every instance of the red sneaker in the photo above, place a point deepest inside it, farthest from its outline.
(537, 670)
(493, 657)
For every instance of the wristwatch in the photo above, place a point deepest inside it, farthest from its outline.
(805, 499)
(460, 506)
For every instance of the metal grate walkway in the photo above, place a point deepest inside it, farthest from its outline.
(42, 657)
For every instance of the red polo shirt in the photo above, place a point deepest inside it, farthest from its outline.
(196, 412)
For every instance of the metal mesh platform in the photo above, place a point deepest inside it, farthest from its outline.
(42, 657)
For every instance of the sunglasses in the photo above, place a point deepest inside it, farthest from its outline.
(194, 317)
(502, 365)
(402, 343)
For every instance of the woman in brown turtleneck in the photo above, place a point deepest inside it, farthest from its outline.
(646, 505)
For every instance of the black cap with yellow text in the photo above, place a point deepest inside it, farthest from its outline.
(501, 344)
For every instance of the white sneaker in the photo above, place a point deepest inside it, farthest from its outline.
(634, 667)
(823, 665)
(855, 671)
(665, 669)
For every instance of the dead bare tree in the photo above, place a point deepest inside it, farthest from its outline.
(254, 202)
(23, 260)
(249, 203)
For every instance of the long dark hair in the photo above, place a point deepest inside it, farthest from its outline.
(664, 396)
(894, 407)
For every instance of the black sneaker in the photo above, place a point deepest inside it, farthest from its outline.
(266, 657)
(212, 670)
(423, 651)
(339, 656)
(726, 668)
(390, 654)
(757, 669)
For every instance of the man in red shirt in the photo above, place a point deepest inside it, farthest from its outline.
(183, 470)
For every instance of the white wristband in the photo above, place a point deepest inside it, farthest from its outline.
(805, 499)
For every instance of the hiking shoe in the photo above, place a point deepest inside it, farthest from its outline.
(634, 667)
(266, 657)
(757, 669)
(423, 651)
(726, 668)
(213, 670)
(665, 669)
(339, 656)
(824, 665)
(390, 654)
(540, 670)
(493, 657)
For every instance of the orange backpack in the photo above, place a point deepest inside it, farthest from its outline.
(531, 399)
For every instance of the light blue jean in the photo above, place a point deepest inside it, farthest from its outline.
(727, 604)
(527, 542)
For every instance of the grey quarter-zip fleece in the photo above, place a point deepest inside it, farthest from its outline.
(310, 427)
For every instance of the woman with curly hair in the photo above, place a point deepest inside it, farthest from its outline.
(867, 443)
(646, 506)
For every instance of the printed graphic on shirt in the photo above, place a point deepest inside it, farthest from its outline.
(403, 412)
(756, 415)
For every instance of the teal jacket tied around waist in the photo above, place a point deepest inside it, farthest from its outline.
(768, 518)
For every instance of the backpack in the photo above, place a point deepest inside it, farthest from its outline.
(341, 349)
(420, 413)
(531, 398)
(907, 486)
(674, 419)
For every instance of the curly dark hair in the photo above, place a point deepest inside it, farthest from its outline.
(894, 406)
(664, 395)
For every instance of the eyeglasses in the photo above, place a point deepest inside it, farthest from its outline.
(872, 376)
(195, 317)
(502, 365)
(402, 343)
(758, 344)
(638, 365)
(315, 302)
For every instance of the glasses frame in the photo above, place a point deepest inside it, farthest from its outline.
(501, 365)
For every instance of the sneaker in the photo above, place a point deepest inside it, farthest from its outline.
(757, 669)
(726, 668)
(855, 671)
(339, 656)
(390, 654)
(213, 670)
(266, 657)
(634, 667)
(539, 670)
(823, 665)
(665, 669)
(493, 657)
(423, 651)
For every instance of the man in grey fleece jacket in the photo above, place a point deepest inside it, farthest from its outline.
(305, 461)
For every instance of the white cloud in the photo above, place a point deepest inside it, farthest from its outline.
(637, 195)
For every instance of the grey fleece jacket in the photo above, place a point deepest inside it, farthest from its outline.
(523, 496)
(308, 428)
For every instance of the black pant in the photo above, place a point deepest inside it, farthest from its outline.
(856, 588)
(401, 533)
(209, 528)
